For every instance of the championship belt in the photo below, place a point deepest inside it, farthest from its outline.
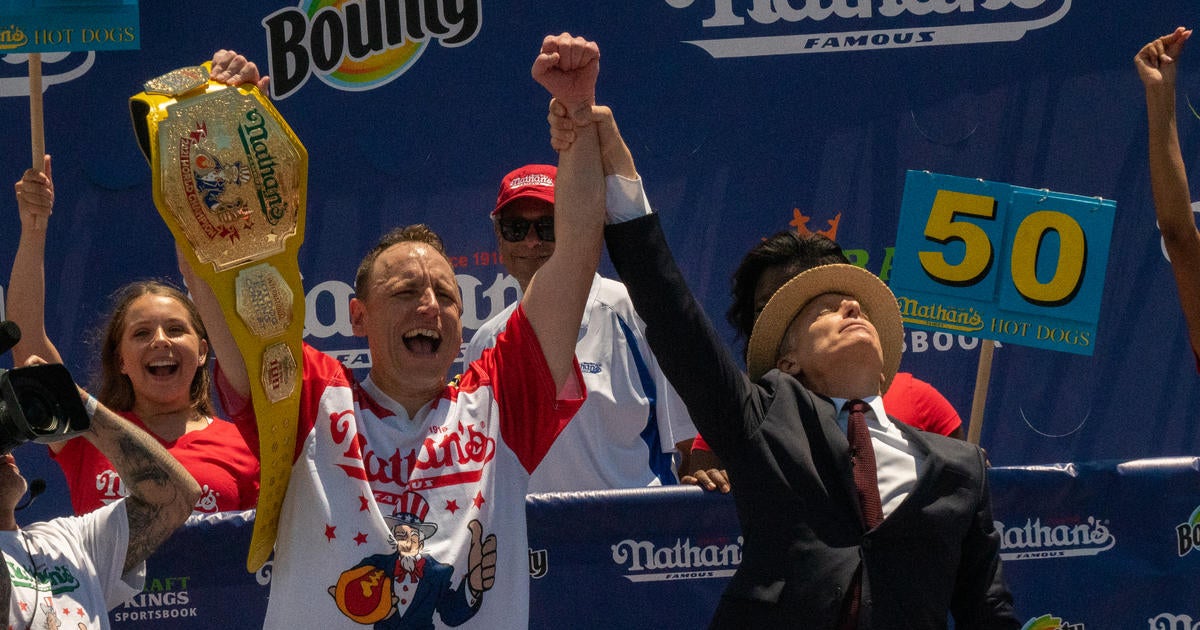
(230, 179)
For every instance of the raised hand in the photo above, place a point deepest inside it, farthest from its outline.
(567, 67)
(35, 195)
(234, 69)
(481, 563)
(1155, 62)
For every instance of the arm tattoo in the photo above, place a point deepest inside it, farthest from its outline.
(151, 491)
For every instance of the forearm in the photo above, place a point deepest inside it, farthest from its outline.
(26, 301)
(161, 491)
(613, 151)
(678, 330)
(1168, 175)
(558, 292)
(1172, 203)
(224, 346)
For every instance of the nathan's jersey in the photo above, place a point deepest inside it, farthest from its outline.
(66, 572)
(461, 463)
(624, 436)
(216, 456)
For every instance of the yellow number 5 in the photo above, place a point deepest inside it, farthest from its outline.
(943, 228)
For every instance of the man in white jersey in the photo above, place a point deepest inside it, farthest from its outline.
(364, 449)
(632, 426)
(70, 571)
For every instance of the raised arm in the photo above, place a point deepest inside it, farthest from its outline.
(1156, 64)
(229, 358)
(27, 284)
(161, 492)
(567, 67)
(678, 330)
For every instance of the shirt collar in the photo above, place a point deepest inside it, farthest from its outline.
(876, 403)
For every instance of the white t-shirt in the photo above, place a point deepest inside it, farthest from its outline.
(624, 436)
(467, 454)
(70, 569)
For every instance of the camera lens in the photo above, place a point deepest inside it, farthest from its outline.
(38, 410)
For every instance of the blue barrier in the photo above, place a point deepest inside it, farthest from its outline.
(1093, 545)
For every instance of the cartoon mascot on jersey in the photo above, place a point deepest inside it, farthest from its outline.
(403, 589)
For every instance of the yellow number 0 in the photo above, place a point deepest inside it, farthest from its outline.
(1072, 258)
(943, 228)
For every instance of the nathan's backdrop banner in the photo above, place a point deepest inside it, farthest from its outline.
(745, 117)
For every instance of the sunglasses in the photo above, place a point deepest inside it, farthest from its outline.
(514, 230)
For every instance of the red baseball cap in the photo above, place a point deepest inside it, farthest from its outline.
(532, 180)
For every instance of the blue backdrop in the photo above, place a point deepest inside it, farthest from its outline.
(811, 122)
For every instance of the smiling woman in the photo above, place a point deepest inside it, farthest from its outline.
(153, 371)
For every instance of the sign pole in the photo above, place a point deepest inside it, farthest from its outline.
(37, 134)
(983, 376)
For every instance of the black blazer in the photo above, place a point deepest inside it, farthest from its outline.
(936, 554)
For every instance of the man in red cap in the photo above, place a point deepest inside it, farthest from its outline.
(633, 424)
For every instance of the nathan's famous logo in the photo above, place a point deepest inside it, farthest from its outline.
(12, 37)
(1035, 540)
(1187, 534)
(1168, 621)
(449, 456)
(357, 45)
(782, 27)
(253, 133)
(1050, 622)
(217, 187)
(940, 316)
(55, 580)
(646, 562)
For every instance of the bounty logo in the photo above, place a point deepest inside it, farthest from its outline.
(1187, 534)
(787, 27)
(646, 562)
(1050, 622)
(1035, 541)
(358, 45)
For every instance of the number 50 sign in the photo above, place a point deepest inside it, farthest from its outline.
(1001, 262)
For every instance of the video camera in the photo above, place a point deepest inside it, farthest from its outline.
(38, 403)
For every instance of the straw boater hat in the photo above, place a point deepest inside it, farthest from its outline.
(872, 294)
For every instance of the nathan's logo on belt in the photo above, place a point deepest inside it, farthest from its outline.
(254, 135)
(769, 27)
(356, 46)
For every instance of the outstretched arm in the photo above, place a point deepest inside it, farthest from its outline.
(567, 67)
(1156, 64)
(26, 304)
(161, 492)
(27, 284)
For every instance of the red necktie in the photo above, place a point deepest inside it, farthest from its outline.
(862, 457)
